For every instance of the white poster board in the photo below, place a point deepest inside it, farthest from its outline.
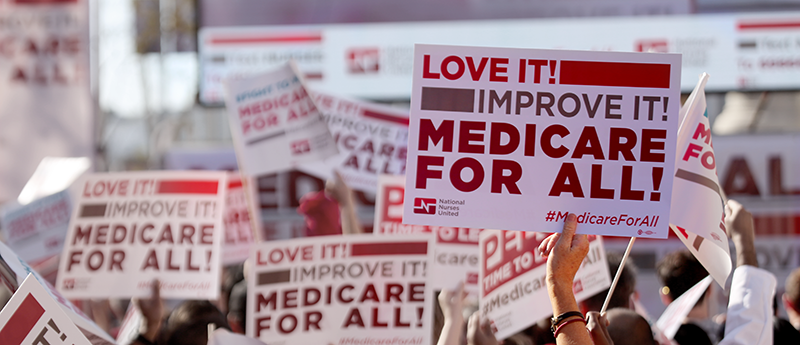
(517, 138)
(128, 229)
(456, 249)
(513, 290)
(372, 140)
(274, 122)
(32, 316)
(36, 231)
(357, 289)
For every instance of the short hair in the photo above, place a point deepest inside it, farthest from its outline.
(793, 288)
(627, 327)
(188, 323)
(679, 271)
(691, 334)
(626, 285)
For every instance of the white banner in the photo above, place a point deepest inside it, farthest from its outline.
(676, 312)
(45, 108)
(32, 316)
(274, 122)
(372, 139)
(357, 289)
(456, 249)
(128, 229)
(517, 138)
(512, 278)
(36, 231)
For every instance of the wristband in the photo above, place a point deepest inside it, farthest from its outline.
(555, 321)
(555, 333)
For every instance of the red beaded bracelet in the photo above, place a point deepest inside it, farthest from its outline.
(555, 334)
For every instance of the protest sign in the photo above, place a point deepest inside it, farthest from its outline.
(128, 229)
(274, 122)
(14, 270)
(36, 231)
(517, 138)
(372, 139)
(676, 312)
(238, 232)
(129, 329)
(512, 278)
(52, 175)
(33, 317)
(456, 249)
(357, 289)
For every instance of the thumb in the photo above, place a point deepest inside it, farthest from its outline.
(570, 226)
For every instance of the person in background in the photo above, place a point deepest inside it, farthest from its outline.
(791, 298)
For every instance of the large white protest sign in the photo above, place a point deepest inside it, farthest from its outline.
(456, 249)
(676, 312)
(238, 230)
(274, 122)
(372, 140)
(36, 231)
(516, 138)
(13, 270)
(358, 289)
(128, 229)
(513, 291)
(697, 213)
(32, 316)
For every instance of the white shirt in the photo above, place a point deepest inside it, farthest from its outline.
(750, 314)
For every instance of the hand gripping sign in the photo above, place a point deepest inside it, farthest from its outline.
(128, 229)
(456, 249)
(275, 123)
(513, 291)
(517, 138)
(33, 317)
(357, 289)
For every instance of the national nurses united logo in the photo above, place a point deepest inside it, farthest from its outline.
(425, 205)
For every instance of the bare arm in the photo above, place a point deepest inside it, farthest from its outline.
(342, 193)
(452, 303)
(739, 223)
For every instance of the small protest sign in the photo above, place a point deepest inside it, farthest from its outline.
(456, 249)
(238, 232)
(128, 229)
(512, 278)
(357, 289)
(33, 317)
(129, 329)
(275, 123)
(36, 231)
(372, 140)
(676, 312)
(518, 138)
(14, 270)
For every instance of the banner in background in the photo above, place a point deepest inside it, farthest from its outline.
(128, 229)
(36, 231)
(357, 289)
(512, 278)
(45, 106)
(31, 316)
(518, 138)
(456, 249)
(238, 230)
(372, 140)
(676, 312)
(274, 122)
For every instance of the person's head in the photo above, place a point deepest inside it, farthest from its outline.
(625, 327)
(188, 323)
(622, 293)
(679, 271)
(691, 334)
(791, 298)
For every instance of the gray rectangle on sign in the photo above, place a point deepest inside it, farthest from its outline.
(447, 99)
(274, 277)
(92, 210)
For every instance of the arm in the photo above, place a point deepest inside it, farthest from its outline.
(564, 253)
(153, 313)
(749, 316)
(452, 303)
(480, 333)
(342, 193)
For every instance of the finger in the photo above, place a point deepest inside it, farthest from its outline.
(155, 290)
(545, 241)
(552, 243)
(581, 244)
(570, 226)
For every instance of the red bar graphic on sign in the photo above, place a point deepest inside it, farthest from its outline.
(21, 323)
(771, 24)
(187, 187)
(389, 248)
(621, 74)
(386, 117)
(298, 38)
(235, 184)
